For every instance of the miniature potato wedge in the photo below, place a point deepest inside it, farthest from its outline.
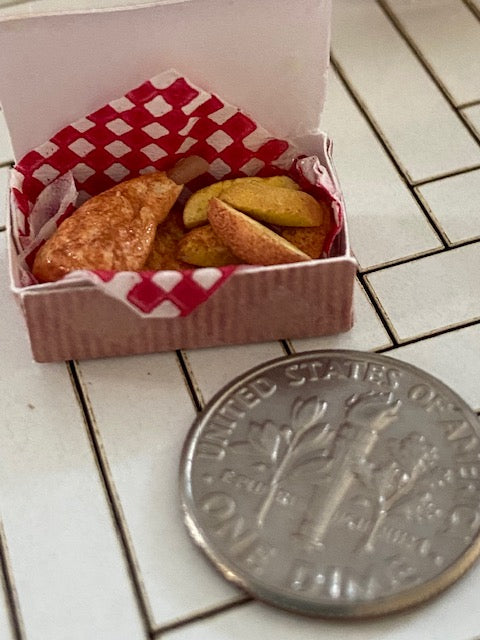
(195, 212)
(308, 239)
(203, 248)
(276, 205)
(250, 240)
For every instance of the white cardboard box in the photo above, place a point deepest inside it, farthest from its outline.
(270, 59)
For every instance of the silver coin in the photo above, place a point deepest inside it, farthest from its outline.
(335, 483)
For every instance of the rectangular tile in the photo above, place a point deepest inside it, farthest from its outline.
(213, 368)
(437, 620)
(437, 28)
(453, 203)
(142, 413)
(432, 293)
(379, 204)
(6, 151)
(453, 357)
(3, 195)
(367, 333)
(66, 559)
(419, 125)
(473, 115)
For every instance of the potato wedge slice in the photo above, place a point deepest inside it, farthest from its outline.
(276, 205)
(195, 212)
(308, 239)
(250, 240)
(203, 248)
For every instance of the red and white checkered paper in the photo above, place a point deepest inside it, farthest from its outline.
(149, 129)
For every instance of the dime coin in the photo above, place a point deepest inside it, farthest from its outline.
(335, 483)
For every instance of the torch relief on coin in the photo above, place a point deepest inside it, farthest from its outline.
(335, 483)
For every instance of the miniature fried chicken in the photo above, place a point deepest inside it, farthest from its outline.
(165, 245)
(116, 229)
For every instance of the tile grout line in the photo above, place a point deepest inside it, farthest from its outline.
(199, 403)
(211, 613)
(428, 254)
(375, 128)
(10, 591)
(444, 176)
(452, 242)
(427, 336)
(287, 347)
(190, 381)
(382, 316)
(112, 499)
(397, 25)
(467, 105)
(369, 118)
(404, 260)
(114, 503)
(396, 339)
(473, 8)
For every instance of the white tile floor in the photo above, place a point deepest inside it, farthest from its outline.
(447, 39)
(453, 204)
(91, 539)
(425, 135)
(379, 202)
(440, 619)
(430, 294)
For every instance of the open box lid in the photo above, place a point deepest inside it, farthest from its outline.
(268, 57)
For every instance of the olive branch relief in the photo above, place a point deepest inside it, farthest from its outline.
(411, 458)
(295, 450)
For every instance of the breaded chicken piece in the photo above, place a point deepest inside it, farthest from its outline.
(164, 249)
(113, 231)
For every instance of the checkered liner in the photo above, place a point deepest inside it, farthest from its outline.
(149, 129)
